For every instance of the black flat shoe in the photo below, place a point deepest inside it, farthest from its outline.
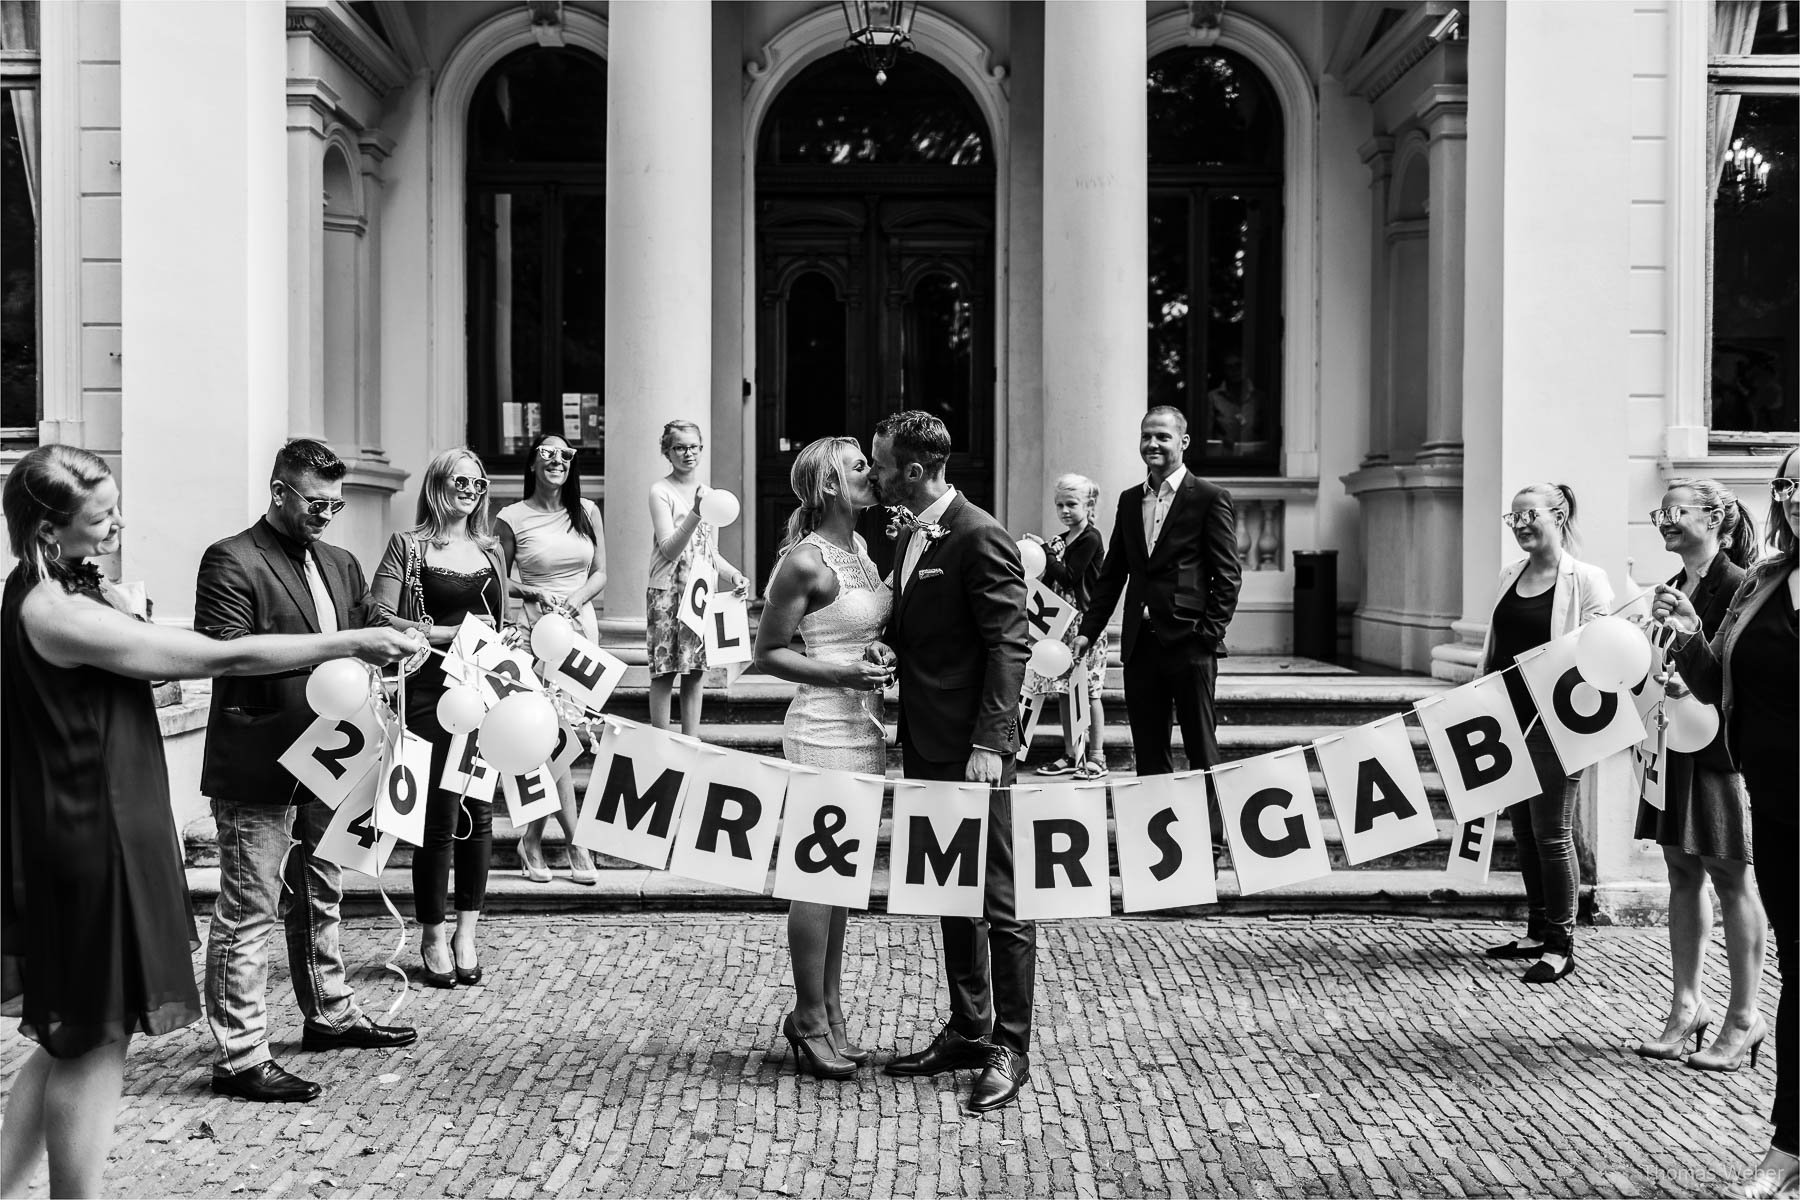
(1517, 948)
(266, 1083)
(1542, 972)
(949, 1051)
(999, 1085)
(364, 1035)
(815, 1055)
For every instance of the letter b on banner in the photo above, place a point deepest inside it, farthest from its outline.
(1479, 748)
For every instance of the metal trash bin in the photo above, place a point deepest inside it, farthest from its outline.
(1315, 604)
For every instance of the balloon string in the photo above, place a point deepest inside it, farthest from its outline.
(393, 960)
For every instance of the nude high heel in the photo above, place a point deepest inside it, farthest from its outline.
(1671, 1048)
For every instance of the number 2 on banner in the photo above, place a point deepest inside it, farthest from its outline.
(405, 784)
(350, 840)
(331, 757)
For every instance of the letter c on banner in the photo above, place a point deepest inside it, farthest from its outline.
(1471, 742)
(1564, 701)
(1254, 808)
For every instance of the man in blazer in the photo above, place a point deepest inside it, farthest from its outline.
(276, 577)
(957, 637)
(1174, 557)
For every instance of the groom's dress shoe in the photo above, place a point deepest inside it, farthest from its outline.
(267, 1082)
(1007, 1071)
(949, 1051)
(364, 1035)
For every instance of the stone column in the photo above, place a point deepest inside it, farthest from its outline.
(658, 264)
(1096, 243)
(1444, 112)
(1378, 155)
(204, 283)
(308, 112)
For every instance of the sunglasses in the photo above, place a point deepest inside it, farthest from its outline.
(314, 508)
(554, 454)
(1780, 489)
(1527, 518)
(464, 483)
(1672, 514)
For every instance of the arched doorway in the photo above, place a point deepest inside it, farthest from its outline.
(874, 272)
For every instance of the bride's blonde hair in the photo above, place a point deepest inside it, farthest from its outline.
(818, 461)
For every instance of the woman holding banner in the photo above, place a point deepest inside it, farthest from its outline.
(1751, 669)
(554, 541)
(1543, 597)
(826, 588)
(94, 918)
(1703, 826)
(679, 539)
(446, 568)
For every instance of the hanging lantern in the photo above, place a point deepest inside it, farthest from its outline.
(879, 31)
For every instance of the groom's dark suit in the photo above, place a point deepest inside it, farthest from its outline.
(958, 629)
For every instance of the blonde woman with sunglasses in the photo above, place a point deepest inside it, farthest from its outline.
(1545, 595)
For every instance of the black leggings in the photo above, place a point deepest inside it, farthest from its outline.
(1773, 779)
(449, 836)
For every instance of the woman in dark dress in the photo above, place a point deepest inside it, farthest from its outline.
(446, 568)
(1751, 670)
(1071, 569)
(94, 917)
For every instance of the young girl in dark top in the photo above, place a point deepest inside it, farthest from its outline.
(1072, 567)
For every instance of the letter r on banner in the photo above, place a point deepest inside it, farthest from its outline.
(729, 822)
(1059, 852)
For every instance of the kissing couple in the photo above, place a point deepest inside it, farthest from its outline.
(950, 624)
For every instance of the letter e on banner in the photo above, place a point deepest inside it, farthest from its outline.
(1271, 820)
(530, 797)
(635, 793)
(938, 853)
(1585, 724)
(588, 673)
(697, 595)
(727, 630)
(332, 756)
(405, 786)
(1479, 748)
(1377, 794)
(729, 822)
(1165, 842)
(1059, 852)
(467, 773)
(829, 827)
(1472, 851)
(349, 839)
(1047, 615)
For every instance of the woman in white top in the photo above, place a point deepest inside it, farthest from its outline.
(678, 539)
(557, 550)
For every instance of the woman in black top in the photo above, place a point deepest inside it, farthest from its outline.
(1751, 670)
(1071, 569)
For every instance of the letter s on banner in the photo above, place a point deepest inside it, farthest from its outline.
(1585, 724)
(729, 822)
(1479, 748)
(1059, 852)
(1377, 794)
(938, 854)
(1165, 842)
(635, 792)
(824, 860)
(1271, 820)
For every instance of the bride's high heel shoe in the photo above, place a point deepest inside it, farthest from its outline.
(840, 1041)
(1728, 1053)
(1671, 1047)
(1777, 1175)
(815, 1055)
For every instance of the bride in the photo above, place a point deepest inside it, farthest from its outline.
(825, 587)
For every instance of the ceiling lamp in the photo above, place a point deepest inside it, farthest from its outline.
(879, 31)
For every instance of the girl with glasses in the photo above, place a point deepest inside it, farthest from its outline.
(1704, 824)
(557, 549)
(1543, 596)
(679, 539)
(447, 567)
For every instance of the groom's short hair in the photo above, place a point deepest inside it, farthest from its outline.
(917, 437)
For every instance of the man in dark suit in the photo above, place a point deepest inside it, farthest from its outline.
(957, 637)
(1174, 556)
(276, 577)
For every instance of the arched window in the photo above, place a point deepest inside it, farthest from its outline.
(1214, 304)
(536, 226)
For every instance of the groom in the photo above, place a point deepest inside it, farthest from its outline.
(957, 637)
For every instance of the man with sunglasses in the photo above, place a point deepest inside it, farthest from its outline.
(277, 576)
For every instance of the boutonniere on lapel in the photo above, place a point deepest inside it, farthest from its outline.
(900, 517)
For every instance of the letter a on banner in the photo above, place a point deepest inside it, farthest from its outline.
(1271, 820)
(1472, 852)
(697, 595)
(1585, 724)
(729, 821)
(1479, 748)
(349, 839)
(1165, 842)
(332, 756)
(1372, 777)
(405, 785)
(1059, 852)
(587, 673)
(635, 793)
(829, 828)
(938, 854)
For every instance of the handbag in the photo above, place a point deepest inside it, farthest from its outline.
(412, 599)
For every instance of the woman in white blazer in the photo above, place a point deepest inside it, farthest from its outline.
(1547, 594)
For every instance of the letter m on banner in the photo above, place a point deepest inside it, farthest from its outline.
(938, 861)
(635, 793)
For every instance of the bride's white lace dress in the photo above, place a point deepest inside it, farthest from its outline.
(831, 727)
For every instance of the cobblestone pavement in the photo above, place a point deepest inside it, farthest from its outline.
(639, 1055)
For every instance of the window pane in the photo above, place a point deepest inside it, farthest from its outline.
(1239, 418)
(540, 106)
(1211, 108)
(1169, 301)
(1756, 322)
(813, 404)
(1777, 28)
(583, 340)
(939, 360)
(835, 114)
(18, 300)
(505, 314)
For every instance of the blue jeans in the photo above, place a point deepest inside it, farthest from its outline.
(255, 892)
(1544, 832)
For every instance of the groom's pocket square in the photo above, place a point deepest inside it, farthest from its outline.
(930, 572)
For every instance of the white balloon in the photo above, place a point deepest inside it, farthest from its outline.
(1032, 555)
(552, 637)
(460, 709)
(1612, 654)
(1051, 659)
(1692, 724)
(719, 508)
(518, 734)
(338, 689)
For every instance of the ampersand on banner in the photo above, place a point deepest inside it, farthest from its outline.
(820, 850)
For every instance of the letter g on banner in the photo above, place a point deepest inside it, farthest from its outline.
(1271, 820)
